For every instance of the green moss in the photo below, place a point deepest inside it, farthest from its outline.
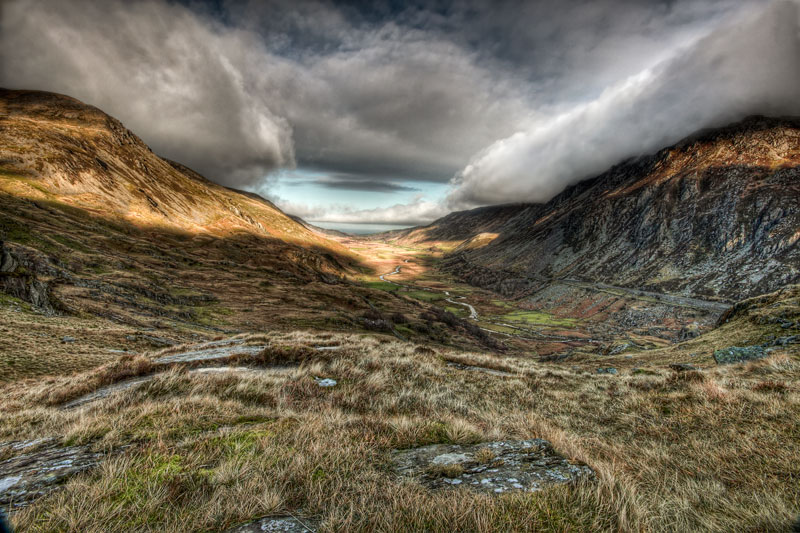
(11, 230)
(70, 243)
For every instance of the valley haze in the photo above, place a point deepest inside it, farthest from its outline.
(426, 266)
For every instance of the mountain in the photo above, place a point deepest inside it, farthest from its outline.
(91, 220)
(58, 148)
(715, 216)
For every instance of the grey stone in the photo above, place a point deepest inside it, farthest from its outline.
(682, 367)
(609, 370)
(211, 351)
(782, 341)
(66, 339)
(106, 391)
(736, 354)
(277, 524)
(30, 475)
(528, 465)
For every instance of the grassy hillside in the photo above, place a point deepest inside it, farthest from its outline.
(712, 449)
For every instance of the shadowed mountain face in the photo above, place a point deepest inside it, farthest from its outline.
(715, 216)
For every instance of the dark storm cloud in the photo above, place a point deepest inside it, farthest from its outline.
(514, 98)
(366, 186)
(353, 183)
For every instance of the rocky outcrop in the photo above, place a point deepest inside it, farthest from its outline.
(32, 474)
(491, 467)
(27, 275)
(736, 354)
(716, 216)
(277, 524)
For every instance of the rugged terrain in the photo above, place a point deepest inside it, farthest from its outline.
(714, 217)
(178, 356)
(97, 229)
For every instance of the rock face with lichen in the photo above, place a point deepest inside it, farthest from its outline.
(276, 524)
(736, 354)
(492, 467)
(40, 468)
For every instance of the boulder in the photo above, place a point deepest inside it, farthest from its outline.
(609, 370)
(682, 367)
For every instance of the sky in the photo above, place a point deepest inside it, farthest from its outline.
(394, 113)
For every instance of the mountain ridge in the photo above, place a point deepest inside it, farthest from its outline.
(721, 198)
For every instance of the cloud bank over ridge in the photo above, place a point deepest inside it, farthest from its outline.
(507, 101)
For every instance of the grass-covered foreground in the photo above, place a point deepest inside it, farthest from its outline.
(708, 450)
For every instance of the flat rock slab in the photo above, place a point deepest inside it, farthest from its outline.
(28, 476)
(492, 467)
(483, 369)
(214, 352)
(106, 391)
(282, 524)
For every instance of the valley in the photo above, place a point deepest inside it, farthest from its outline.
(180, 356)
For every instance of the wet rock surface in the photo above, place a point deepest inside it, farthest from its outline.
(492, 467)
(325, 382)
(278, 524)
(736, 354)
(32, 474)
(212, 351)
(103, 392)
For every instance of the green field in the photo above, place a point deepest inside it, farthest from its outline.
(538, 317)
(382, 285)
(427, 296)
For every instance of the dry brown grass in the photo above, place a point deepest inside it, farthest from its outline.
(213, 450)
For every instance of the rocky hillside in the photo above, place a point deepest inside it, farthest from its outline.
(715, 216)
(92, 221)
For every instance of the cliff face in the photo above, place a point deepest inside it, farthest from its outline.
(716, 216)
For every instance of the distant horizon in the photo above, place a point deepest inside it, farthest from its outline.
(359, 228)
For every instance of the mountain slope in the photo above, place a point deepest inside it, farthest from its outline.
(61, 149)
(92, 221)
(715, 216)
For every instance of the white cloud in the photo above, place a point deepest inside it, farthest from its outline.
(751, 66)
(417, 212)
